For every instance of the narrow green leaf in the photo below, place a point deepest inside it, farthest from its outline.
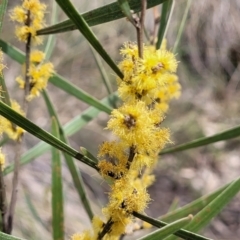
(57, 80)
(167, 230)
(4, 236)
(180, 233)
(30, 127)
(167, 9)
(32, 208)
(104, 75)
(201, 219)
(70, 88)
(4, 96)
(3, 8)
(75, 173)
(12, 52)
(107, 13)
(228, 134)
(70, 128)
(83, 27)
(174, 205)
(51, 40)
(193, 207)
(57, 189)
(182, 25)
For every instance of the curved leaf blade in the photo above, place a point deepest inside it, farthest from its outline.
(107, 13)
(3, 7)
(75, 173)
(57, 189)
(57, 80)
(73, 90)
(180, 233)
(32, 208)
(228, 134)
(102, 71)
(193, 207)
(30, 127)
(70, 128)
(181, 26)
(168, 229)
(167, 9)
(201, 219)
(4, 236)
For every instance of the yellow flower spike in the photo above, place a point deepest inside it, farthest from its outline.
(127, 164)
(36, 11)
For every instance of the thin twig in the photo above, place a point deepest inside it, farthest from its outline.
(10, 215)
(106, 229)
(27, 87)
(27, 77)
(140, 28)
(3, 207)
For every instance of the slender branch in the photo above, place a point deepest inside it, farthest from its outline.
(106, 229)
(27, 86)
(3, 207)
(18, 147)
(10, 215)
(139, 27)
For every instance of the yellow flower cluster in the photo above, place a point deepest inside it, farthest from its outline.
(39, 73)
(150, 79)
(30, 17)
(146, 89)
(14, 132)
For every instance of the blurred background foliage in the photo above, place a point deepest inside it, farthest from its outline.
(208, 55)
